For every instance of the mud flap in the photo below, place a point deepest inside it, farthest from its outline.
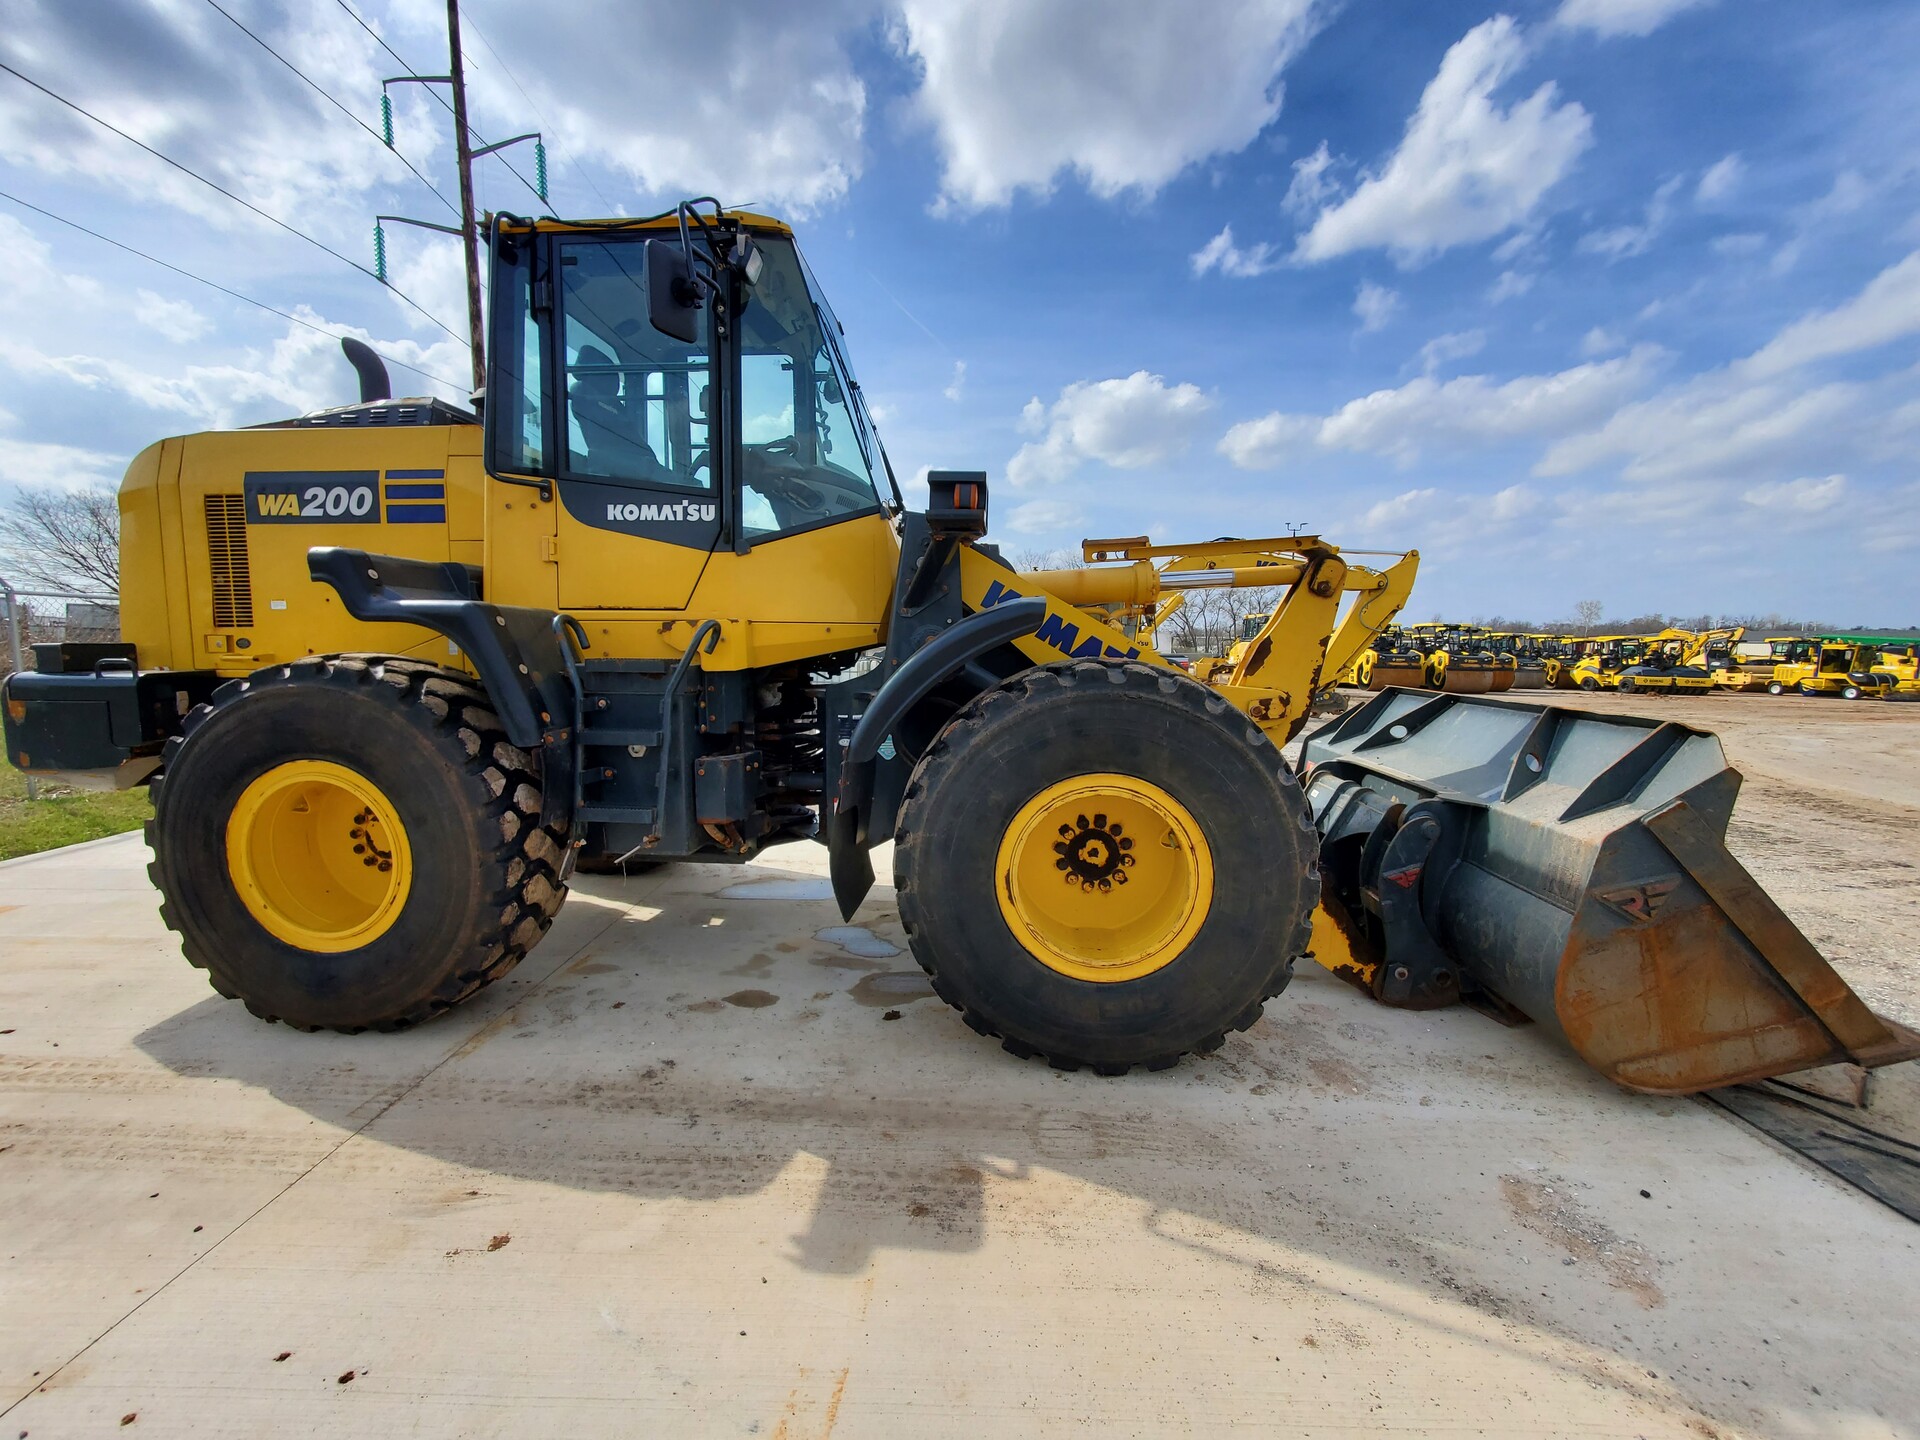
(1581, 877)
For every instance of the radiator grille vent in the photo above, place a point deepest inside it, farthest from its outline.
(227, 562)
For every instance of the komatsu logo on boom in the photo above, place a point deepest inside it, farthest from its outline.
(1062, 635)
(679, 510)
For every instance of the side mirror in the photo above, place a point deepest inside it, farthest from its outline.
(673, 303)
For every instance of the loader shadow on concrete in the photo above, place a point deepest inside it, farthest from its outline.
(1454, 1177)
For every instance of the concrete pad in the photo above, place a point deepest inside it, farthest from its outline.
(712, 1163)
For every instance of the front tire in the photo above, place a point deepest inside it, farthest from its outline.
(351, 843)
(1105, 864)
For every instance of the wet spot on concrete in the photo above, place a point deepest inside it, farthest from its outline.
(1547, 1206)
(594, 967)
(787, 947)
(705, 1007)
(774, 888)
(752, 999)
(755, 965)
(895, 987)
(857, 940)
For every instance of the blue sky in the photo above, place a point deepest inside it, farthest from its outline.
(1613, 299)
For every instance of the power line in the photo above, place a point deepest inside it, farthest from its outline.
(402, 63)
(214, 285)
(579, 169)
(324, 95)
(212, 185)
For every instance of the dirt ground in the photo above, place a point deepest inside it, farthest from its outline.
(1828, 820)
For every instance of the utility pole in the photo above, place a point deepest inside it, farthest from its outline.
(463, 152)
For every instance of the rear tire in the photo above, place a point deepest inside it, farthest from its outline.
(1776, 688)
(1159, 988)
(256, 889)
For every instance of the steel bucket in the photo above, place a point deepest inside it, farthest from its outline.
(1570, 866)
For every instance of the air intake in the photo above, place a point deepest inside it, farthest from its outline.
(227, 562)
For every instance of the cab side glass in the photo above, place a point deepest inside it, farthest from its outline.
(637, 408)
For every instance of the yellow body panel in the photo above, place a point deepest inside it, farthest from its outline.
(815, 593)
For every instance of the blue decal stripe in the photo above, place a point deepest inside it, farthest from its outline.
(416, 492)
(416, 514)
(416, 474)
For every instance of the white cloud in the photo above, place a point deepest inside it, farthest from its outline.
(957, 387)
(1766, 410)
(174, 319)
(1124, 93)
(1466, 170)
(1511, 285)
(1128, 423)
(1040, 517)
(1622, 17)
(776, 114)
(1599, 341)
(1395, 509)
(1806, 496)
(1743, 242)
(1311, 186)
(1887, 309)
(1375, 306)
(1444, 349)
(1723, 177)
(1624, 241)
(1512, 503)
(1229, 259)
(1264, 443)
(1469, 410)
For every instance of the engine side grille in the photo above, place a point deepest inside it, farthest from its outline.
(227, 562)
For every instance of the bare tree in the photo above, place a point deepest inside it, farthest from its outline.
(1047, 560)
(63, 539)
(1588, 613)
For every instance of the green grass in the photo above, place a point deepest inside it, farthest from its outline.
(62, 816)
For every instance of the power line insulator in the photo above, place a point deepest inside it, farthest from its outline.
(386, 117)
(379, 253)
(540, 169)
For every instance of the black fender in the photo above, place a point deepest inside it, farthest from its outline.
(935, 662)
(516, 649)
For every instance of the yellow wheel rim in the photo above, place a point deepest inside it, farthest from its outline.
(1104, 877)
(319, 857)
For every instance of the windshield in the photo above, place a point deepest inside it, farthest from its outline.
(807, 455)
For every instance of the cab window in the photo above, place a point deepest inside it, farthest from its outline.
(637, 401)
(806, 460)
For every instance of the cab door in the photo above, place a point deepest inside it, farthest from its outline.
(634, 436)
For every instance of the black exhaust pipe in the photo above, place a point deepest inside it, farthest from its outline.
(374, 384)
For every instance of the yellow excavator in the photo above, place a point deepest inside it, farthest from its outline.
(396, 671)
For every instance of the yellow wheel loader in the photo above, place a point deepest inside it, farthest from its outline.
(395, 671)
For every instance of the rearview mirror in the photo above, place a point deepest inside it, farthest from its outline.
(673, 303)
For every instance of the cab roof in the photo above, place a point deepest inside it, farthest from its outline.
(551, 224)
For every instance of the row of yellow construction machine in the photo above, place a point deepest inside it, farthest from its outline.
(1852, 667)
(1458, 660)
(1471, 660)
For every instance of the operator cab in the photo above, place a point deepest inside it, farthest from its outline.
(725, 423)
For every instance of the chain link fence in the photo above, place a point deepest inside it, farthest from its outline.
(35, 617)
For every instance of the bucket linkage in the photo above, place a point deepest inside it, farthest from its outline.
(1571, 867)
